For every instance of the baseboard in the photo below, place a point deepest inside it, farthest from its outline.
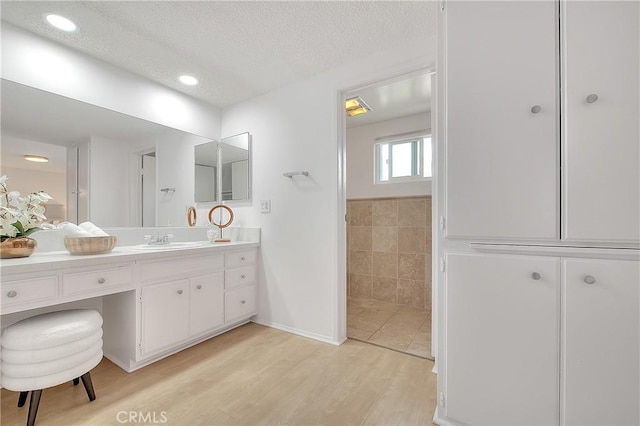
(309, 335)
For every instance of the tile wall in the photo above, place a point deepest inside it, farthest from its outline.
(389, 250)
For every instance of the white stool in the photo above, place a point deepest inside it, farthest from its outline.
(48, 350)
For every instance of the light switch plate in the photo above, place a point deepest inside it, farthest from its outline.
(265, 206)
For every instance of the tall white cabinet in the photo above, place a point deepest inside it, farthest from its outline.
(538, 190)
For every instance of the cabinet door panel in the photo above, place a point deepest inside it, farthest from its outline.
(501, 159)
(601, 328)
(601, 157)
(502, 339)
(207, 303)
(165, 318)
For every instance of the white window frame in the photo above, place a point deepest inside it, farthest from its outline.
(396, 140)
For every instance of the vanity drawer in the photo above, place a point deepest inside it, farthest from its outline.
(239, 277)
(240, 303)
(232, 260)
(94, 281)
(169, 269)
(16, 292)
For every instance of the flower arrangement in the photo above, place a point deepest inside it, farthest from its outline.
(20, 215)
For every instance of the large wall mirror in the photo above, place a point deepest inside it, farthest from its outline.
(223, 170)
(95, 170)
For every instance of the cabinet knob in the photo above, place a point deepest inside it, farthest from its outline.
(180, 292)
(536, 276)
(243, 276)
(12, 293)
(101, 280)
(589, 279)
(536, 109)
(592, 98)
(199, 286)
(243, 301)
(243, 258)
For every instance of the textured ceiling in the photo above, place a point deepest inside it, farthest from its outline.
(237, 49)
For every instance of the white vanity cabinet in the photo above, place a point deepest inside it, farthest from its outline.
(185, 300)
(175, 311)
(206, 303)
(240, 285)
(164, 315)
(540, 105)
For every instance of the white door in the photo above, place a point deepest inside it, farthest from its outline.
(601, 95)
(207, 303)
(149, 190)
(502, 339)
(601, 329)
(165, 315)
(501, 110)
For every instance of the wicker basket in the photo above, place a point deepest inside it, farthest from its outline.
(89, 245)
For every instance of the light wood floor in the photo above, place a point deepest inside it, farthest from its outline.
(251, 375)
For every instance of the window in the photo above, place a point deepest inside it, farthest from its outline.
(403, 159)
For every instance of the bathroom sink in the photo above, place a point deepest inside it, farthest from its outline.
(170, 246)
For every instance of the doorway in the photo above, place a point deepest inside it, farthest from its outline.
(149, 191)
(388, 200)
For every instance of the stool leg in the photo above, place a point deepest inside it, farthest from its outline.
(88, 385)
(22, 399)
(76, 381)
(33, 406)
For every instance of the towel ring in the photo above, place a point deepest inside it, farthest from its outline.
(221, 206)
(192, 216)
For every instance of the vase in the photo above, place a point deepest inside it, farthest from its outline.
(17, 247)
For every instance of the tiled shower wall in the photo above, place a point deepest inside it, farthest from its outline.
(389, 250)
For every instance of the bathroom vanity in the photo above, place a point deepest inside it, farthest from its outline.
(155, 301)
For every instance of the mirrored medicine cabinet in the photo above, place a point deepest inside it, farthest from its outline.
(223, 170)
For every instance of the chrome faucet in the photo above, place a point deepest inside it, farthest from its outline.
(157, 240)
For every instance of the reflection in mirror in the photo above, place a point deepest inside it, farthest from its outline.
(235, 152)
(95, 157)
(206, 172)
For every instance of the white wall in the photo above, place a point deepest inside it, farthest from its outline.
(295, 128)
(27, 181)
(360, 158)
(176, 169)
(35, 61)
(110, 182)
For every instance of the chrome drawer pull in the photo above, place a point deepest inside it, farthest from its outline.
(12, 293)
(101, 280)
(589, 279)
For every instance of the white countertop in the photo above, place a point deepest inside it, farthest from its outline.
(53, 260)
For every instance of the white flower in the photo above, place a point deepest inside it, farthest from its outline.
(19, 215)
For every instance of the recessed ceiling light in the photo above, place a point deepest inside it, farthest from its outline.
(189, 80)
(356, 106)
(36, 158)
(60, 22)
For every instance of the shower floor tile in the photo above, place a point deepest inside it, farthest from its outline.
(401, 328)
